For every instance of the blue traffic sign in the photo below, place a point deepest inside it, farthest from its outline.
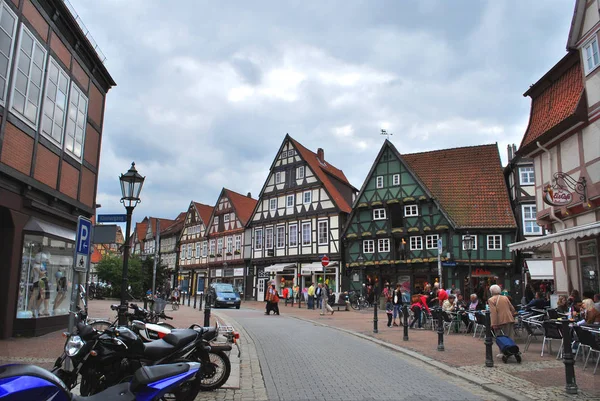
(112, 218)
(84, 234)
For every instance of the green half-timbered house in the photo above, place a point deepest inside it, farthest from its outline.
(409, 202)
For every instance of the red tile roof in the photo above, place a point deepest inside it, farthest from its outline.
(323, 170)
(555, 97)
(176, 226)
(154, 224)
(468, 183)
(205, 211)
(243, 205)
(140, 230)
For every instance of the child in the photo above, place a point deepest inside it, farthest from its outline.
(389, 309)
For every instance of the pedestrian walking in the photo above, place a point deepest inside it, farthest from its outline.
(397, 302)
(325, 299)
(502, 312)
(318, 293)
(311, 296)
(389, 310)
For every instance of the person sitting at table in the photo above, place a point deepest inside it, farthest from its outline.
(589, 312)
(561, 305)
(574, 300)
(475, 303)
(448, 304)
(538, 302)
(460, 302)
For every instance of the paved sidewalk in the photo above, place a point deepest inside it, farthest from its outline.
(536, 378)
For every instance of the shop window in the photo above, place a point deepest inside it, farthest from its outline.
(588, 263)
(46, 277)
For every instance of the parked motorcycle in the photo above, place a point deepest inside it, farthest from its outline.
(149, 383)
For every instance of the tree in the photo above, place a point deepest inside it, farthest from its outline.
(110, 270)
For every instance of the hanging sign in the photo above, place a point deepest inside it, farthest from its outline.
(557, 196)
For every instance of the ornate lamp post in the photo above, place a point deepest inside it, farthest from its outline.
(131, 186)
(469, 245)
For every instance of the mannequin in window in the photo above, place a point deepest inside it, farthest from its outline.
(35, 288)
(44, 291)
(61, 289)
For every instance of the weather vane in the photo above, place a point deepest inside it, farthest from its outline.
(384, 132)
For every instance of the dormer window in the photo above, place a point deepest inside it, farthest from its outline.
(590, 55)
(284, 154)
(411, 210)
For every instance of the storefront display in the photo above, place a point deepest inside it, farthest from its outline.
(46, 277)
(588, 260)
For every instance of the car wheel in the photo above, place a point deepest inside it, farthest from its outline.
(237, 306)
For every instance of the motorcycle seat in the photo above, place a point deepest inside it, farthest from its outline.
(156, 350)
(9, 371)
(180, 338)
(209, 333)
(149, 374)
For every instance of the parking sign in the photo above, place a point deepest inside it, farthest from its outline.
(82, 243)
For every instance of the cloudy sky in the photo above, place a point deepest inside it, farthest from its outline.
(207, 90)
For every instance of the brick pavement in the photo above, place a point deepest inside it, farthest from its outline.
(537, 377)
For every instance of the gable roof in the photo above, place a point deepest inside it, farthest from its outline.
(175, 227)
(205, 211)
(576, 22)
(468, 183)
(153, 224)
(555, 100)
(140, 229)
(325, 171)
(243, 205)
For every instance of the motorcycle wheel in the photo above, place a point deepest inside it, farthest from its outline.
(354, 304)
(220, 360)
(167, 325)
(101, 325)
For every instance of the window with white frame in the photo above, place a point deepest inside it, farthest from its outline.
(306, 234)
(379, 181)
(197, 250)
(383, 245)
(474, 242)
(368, 246)
(293, 235)
(238, 243)
(396, 179)
(219, 245)
(8, 30)
(527, 175)
(289, 201)
(212, 247)
(229, 245)
(530, 225)
(269, 238)
(291, 152)
(216, 222)
(273, 204)
(411, 210)
(379, 214)
(278, 177)
(204, 248)
(27, 87)
(590, 54)
(307, 197)
(280, 237)
(226, 218)
(55, 103)
(182, 252)
(258, 238)
(76, 120)
(189, 251)
(300, 172)
(416, 243)
(323, 232)
(494, 242)
(431, 241)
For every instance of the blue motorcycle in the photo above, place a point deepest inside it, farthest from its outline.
(149, 383)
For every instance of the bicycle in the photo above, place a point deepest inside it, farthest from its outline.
(358, 301)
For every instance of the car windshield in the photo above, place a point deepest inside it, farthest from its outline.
(224, 288)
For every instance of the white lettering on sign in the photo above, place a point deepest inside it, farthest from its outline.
(557, 197)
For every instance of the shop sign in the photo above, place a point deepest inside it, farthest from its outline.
(238, 271)
(482, 272)
(557, 196)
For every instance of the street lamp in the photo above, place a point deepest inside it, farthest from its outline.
(469, 245)
(131, 186)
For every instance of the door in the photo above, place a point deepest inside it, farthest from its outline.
(260, 291)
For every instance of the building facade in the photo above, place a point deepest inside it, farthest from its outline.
(410, 202)
(225, 236)
(169, 245)
(193, 266)
(52, 91)
(563, 139)
(298, 218)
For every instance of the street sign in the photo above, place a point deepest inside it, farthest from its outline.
(449, 264)
(325, 260)
(112, 218)
(82, 243)
(439, 245)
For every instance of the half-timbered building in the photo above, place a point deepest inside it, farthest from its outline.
(298, 218)
(409, 202)
(169, 246)
(563, 139)
(137, 238)
(151, 238)
(193, 261)
(225, 236)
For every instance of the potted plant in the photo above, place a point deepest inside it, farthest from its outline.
(228, 254)
(236, 252)
(219, 255)
(211, 256)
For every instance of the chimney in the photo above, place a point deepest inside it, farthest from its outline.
(514, 150)
(510, 153)
(321, 154)
(249, 195)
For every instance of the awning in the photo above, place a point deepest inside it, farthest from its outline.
(540, 269)
(40, 226)
(316, 267)
(585, 230)
(279, 267)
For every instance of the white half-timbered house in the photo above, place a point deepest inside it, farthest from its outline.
(169, 245)
(193, 266)
(300, 213)
(225, 236)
